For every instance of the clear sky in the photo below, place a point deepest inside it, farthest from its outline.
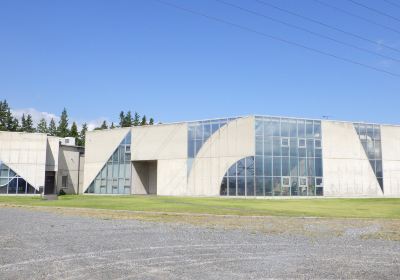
(98, 57)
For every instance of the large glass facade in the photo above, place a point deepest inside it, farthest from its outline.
(115, 176)
(370, 137)
(12, 183)
(198, 133)
(288, 161)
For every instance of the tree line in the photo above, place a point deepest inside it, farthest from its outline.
(8, 122)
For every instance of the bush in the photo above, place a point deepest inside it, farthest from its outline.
(62, 192)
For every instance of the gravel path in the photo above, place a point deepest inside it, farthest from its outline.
(41, 245)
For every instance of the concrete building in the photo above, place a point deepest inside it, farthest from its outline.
(33, 163)
(246, 156)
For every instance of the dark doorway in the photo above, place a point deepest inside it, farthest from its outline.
(49, 182)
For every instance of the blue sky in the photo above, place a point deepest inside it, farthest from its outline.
(98, 57)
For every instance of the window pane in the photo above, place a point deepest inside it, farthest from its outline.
(293, 128)
(232, 186)
(301, 128)
(268, 186)
(224, 187)
(285, 128)
(241, 167)
(250, 186)
(294, 167)
(250, 166)
(277, 186)
(318, 167)
(259, 145)
(259, 128)
(241, 186)
(285, 166)
(260, 186)
(232, 170)
(268, 146)
(277, 146)
(259, 166)
(268, 166)
(276, 128)
(317, 129)
(309, 129)
(277, 166)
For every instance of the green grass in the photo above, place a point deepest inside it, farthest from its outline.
(343, 208)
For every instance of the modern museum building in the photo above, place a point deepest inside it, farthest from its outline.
(254, 156)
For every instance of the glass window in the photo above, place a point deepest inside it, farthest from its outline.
(317, 143)
(277, 146)
(285, 128)
(294, 166)
(276, 128)
(285, 166)
(268, 146)
(250, 167)
(241, 167)
(302, 143)
(286, 181)
(268, 186)
(259, 166)
(285, 142)
(268, 166)
(317, 129)
(293, 147)
(318, 167)
(250, 186)
(309, 129)
(259, 145)
(232, 170)
(302, 167)
(241, 186)
(294, 190)
(232, 186)
(301, 128)
(268, 129)
(379, 170)
(293, 128)
(260, 186)
(206, 131)
(277, 186)
(259, 128)
(277, 166)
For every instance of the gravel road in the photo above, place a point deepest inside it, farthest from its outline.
(43, 245)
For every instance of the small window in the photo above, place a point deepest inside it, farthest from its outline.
(127, 148)
(303, 181)
(302, 143)
(317, 143)
(285, 142)
(285, 181)
(64, 181)
(319, 182)
(66, 141)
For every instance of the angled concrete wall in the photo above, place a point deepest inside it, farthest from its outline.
(391, 159)
(166, 144)
(25, 153)
(229, 144)
(100, 145)
(70, 164)
(347, 171)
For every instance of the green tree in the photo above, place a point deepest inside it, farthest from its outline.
(82, 135)
(144, 120)
(151, 121)
(136, 119)
(52, 128)
(121, 119)
(62, 130)
(128, 119)
(104, 125)
(42, 126)
(74, 132)
(112, 126)
(3, 115)
(27, 123)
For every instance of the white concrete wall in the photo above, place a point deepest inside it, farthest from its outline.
(52, 152)
(232, 142)
(25, 153)
(168, 145)
(391, 160)
(69, 165)
(100, 145)
(347, 171)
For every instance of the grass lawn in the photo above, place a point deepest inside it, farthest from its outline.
(340, 208)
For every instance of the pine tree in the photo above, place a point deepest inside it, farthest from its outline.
(144, 120)
(27, 123)
(74, 132)
(112, 126)
(52, 128)
(121, 119)
(42, 126)
(104, 125)
(23, 123)
(136, 119)
(151, 121)
(82, 135)
(128, 119)
(63, 130)
(3, 115)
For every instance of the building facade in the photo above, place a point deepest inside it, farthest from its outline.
(35, 163)
(255, 156)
